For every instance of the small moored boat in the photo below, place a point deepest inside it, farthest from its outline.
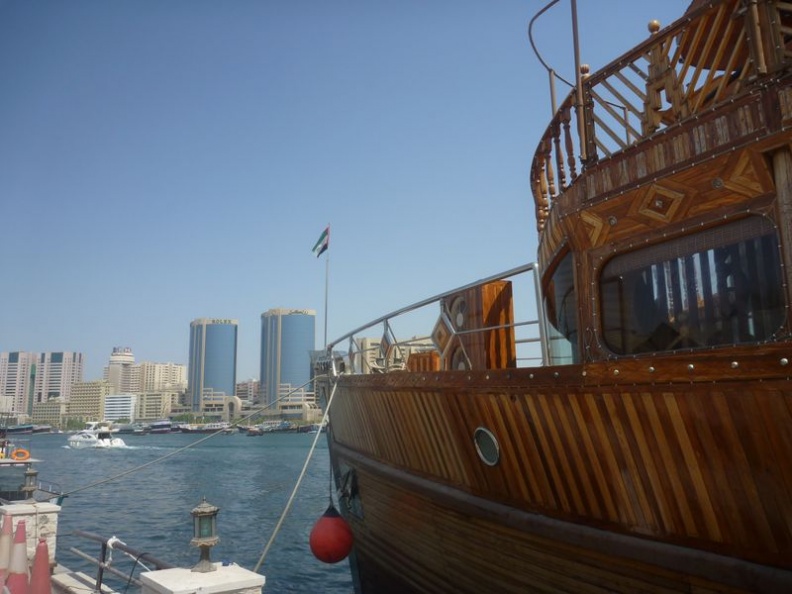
(207, 428)
(163, 426)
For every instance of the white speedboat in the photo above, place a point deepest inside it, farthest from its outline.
(95, 436)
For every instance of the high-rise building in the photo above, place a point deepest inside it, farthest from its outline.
(155, 377)
(55, 375)
(287, 339)
(32, 378)
(127, 377)
(213, 354)
(17, 381)
(121, 371)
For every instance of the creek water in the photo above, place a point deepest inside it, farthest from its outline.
(148, 506)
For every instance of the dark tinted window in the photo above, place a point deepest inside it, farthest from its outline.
(721, 286)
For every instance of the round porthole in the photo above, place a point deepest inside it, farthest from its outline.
(486, 446)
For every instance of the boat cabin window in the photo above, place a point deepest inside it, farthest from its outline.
(720, 286)
(562, 310)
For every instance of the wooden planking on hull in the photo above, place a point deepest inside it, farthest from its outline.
(479, 546)
(681, 462)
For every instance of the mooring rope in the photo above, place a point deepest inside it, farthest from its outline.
(299, 479)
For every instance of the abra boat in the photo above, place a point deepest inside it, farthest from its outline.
(133, 429)
(95, 435)
(219, 426)
(162, 426)
(636, 434)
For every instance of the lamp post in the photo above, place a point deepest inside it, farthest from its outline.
(204, 533)
(31, 482)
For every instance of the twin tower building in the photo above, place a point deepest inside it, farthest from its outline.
(287, 343)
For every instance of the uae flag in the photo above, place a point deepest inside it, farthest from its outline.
(323, 243)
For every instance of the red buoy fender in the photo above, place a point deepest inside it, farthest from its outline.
(331, 538)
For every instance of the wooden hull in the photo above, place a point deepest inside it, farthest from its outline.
(661, 460)
(641, 474)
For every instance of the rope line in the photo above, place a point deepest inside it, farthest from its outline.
(299, 481)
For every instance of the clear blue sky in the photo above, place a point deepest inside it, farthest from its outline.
(167, 160)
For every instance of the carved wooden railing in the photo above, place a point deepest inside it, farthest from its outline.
(718, 50)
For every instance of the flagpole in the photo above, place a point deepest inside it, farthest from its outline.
(327, 284)
(321, 246)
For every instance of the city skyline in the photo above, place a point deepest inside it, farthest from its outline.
(95, 370)
(43, 385)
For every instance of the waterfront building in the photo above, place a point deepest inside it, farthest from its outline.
(17, 381)
(220, 406)
(121, 371)
(368, 356)
(51, 412)
(56, 373)
(212, 364)
(373, 355)
(155, 405)
(162, 376)
(27, 379)
(287, 339)
(87, 402)
(127, 377)
(248, 390)
(298, 404)
(120, 406)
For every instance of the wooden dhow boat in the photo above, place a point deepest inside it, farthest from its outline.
(636, 435)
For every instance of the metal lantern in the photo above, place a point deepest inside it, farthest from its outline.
(204, 533)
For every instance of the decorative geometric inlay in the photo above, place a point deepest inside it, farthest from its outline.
(661, 203)
(441, 335)
(740, 175)
(595, 226)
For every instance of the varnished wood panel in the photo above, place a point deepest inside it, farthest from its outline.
(675, 459)
(455, 547)
(427, 361)
(486, 306)
(601, 206)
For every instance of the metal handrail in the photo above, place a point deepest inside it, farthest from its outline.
(115, 544)
(429, 301)
(540, 322)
